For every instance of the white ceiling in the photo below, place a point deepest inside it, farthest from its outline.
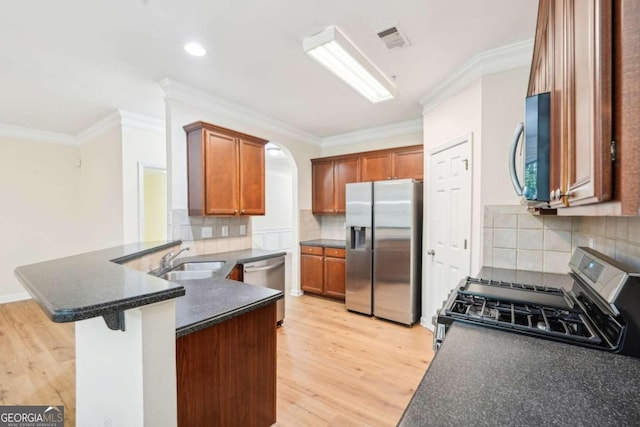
(65, 64)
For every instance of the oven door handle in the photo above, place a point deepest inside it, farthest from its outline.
(512, 159)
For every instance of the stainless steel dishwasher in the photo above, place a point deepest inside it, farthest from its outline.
(270, 274)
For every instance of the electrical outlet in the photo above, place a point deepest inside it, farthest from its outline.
(207, 232)
(243, 230)
(225, 231)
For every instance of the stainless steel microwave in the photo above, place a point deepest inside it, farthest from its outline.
(537, 136)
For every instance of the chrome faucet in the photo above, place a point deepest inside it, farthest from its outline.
(166, 261)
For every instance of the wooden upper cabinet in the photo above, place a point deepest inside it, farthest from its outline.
(221, 160)
(396, 163)
(330, 175)
(226, 171)
(573, 60)
(375, 166)
(589, 89)
(345, 172)
(323, 187)
(329, 178)
(408, 163)
(252, 172)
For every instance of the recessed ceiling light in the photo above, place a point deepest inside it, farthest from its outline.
(195, 49)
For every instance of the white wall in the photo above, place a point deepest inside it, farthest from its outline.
(489, 109)
(458, 116)
(39, 190)
(101, 188)
(503, 98)
(374, 144)
(138, 145)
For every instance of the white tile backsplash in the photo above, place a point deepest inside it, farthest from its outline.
(504, 258)
(545, 243)
(557, 240)
(530, 221)
(505, 220)
(529, 260)
(505, 238)
(530, 239)
(555, 262)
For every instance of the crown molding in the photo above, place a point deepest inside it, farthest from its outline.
(98, 128)
(487, 62)
(374, 133)
(119, 119)
(36, 135)
(141, 121)
(176, 91)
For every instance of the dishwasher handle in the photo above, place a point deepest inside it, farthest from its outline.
(267, 267)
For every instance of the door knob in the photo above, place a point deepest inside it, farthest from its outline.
(431, 252)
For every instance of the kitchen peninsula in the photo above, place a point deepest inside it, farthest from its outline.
(159, 342)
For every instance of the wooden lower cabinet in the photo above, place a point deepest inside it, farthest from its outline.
(334, 273)
(322, 271)
(226, 373)
(311, 266)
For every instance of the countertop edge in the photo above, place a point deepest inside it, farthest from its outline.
(223, 317)
(325, 243)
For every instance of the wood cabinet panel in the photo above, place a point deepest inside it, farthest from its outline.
(221, 159)
(345, 171)
(311, 250)
(237, 273)
(322, 271)
(627, 104)
(408, 164)
(311, 273)
(226, 171)
(573, 60)
(589, 33)
(323, 187)
(375, 166)
(227, 372)
(252, 177)
(334, 277)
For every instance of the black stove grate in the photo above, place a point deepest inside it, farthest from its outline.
(529, 318)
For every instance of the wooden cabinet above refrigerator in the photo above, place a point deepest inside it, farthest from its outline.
(330, 174)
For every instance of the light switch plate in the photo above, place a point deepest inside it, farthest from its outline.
(243, 230)
(207, 232)
(225, 231)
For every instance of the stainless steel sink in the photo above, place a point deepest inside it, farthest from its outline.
(194, 270)
(188, 275)
(200, 266)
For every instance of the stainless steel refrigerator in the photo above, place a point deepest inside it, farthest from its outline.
(384, 246)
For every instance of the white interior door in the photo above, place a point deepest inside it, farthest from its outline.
(448, 206)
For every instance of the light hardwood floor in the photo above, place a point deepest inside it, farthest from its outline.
(335, 368)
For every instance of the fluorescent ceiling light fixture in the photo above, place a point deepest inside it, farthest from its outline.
(195, 49)
(333, 50)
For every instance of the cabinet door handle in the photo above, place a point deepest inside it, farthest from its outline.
(388, 177)
(242, 211)
(235, 211)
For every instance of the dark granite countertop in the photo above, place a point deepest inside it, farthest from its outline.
(487, 377)
(215, 300)
(325, 243)
(93, 284)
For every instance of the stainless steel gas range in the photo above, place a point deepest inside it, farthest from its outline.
(600, 310)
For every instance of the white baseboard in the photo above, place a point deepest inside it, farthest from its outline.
(296, 292)
(424, 322)
(14, 297)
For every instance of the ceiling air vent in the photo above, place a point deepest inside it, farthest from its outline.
(393, 38)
